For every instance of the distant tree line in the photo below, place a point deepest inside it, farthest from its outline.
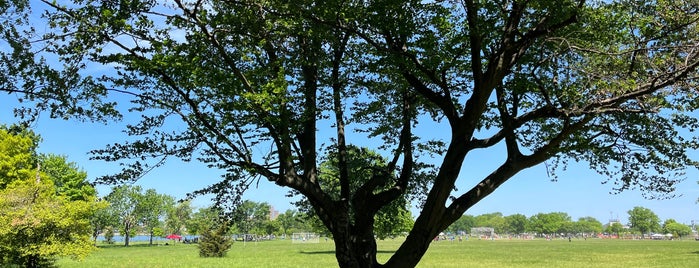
(641, 221)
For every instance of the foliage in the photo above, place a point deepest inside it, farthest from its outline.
(177, 217)
(250, 217)
(608, 83)
(123, 203)
(643, 220)
(109, 235)
(549, 223)
(615, 228)
(293, 221)
(516, 224)
(675, 228)
(70, 180)
(202, 220)
(41, 221)
(151, 207)
(101, 219)
(463, 224)
(588, 225)
(362, 164)
(215, 241)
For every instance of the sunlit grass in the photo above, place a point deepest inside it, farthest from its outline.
(471, 253)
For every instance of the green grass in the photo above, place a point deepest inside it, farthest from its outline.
(471, 253)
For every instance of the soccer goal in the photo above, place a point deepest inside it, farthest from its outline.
(483, 232)
(298, 238)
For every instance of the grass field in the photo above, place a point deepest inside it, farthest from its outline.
(471, 253)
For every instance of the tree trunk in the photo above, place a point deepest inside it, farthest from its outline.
(127, 229)
(151, 238)
(411, 251)
(354, 251)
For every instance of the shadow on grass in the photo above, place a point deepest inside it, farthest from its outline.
(333, 252)
(695, 252)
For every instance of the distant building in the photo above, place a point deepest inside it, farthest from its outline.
(273, 213)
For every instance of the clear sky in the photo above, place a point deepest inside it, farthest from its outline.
(578, 191)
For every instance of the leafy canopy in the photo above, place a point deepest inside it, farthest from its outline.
(247, 87)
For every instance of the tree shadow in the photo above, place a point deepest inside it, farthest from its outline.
(695, 252)
(333, 252)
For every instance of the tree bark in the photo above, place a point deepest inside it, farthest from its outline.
(356, 248)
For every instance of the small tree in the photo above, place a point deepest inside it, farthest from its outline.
(215, 241)
(109, 235)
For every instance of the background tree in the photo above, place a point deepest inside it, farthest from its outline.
(70, 180)
(494, 220)
(202, 220)
(123, 202)
(391, 220)
(615, 228)
(549, 223)
(250, 216)
(516, 224)
(535, 81)
(643, 220)
(588, 226)
(39, 224)
(291, 221)
(151, 208)
(675, 228)
(463, 224)
(177, 217)
(101, 219)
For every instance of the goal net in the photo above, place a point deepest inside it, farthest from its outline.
(298, 238)
(483, 231)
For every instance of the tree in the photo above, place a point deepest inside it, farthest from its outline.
(549, 223)
(151, 208)
(101, 219)
(615, 228)
(516, 223)
(588, 225)
(215, 241)
(391, 220)
(463, 224)
(177, 217)
(537, 81)
(202, 220)
(675, 228)
(123, 202)
(70, 180)
(292, 221)
(494, 220)
(250, 216)
(643, 220)
(39, 224)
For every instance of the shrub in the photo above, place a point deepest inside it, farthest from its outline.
(215, 241)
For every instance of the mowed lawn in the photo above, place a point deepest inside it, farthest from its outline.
(469, 253)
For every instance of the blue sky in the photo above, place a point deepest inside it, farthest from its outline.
(578, 191)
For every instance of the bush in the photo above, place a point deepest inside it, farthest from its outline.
(215, 241)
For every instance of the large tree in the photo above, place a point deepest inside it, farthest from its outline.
(549, 223)
(609, 83)
(643, 220)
